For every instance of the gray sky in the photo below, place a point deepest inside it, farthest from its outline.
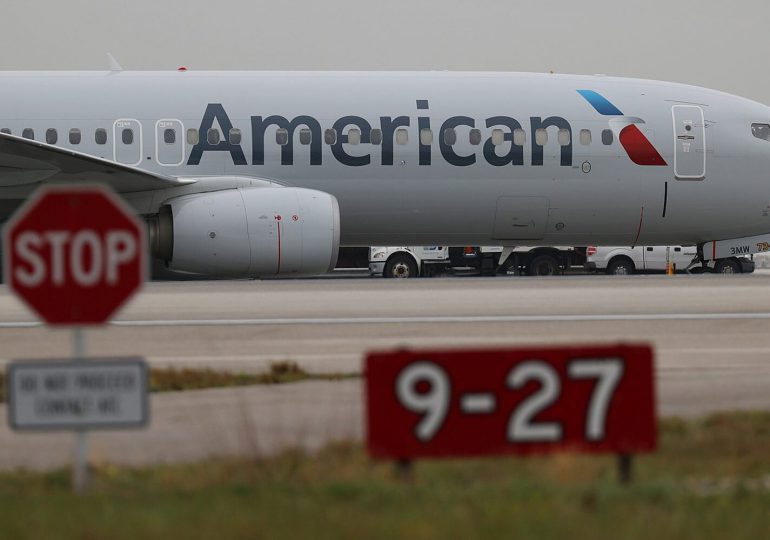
(705, 42)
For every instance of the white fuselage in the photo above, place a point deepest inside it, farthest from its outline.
(435, 184)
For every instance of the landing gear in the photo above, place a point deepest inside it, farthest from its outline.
(693, 267)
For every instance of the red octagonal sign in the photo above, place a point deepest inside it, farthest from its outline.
(74, 254)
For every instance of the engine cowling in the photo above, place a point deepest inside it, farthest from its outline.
(249, 232)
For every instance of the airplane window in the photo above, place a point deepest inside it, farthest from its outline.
(193, 136)
(75, 136)
(607, 137)
(761, 131)
(51, 136)
(585, 137)
(498, 137)
(235, 136)
(282, 136)
(475, 136)
(564, 137)
(127, 136)
(450, 136)
(305, 136)
(519, 137)
(402, 136)
(212, 136)
(354, 136)
(375, 136)
(169, 136)
(426, 137)
(541, 137)
(330, 136)
(6, 131)
(28, 133)
(100, 136)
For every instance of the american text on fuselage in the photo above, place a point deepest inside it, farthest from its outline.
(355, 130)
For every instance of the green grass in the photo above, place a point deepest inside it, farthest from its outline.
(710, 479)
(173, 379)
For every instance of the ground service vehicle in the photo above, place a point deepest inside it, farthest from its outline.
(623, 260)
(412, 261)
(408, 261)
(524, 260)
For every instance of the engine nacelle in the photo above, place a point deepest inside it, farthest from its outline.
(249, 232)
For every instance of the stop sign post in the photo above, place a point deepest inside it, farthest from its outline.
(74, 255)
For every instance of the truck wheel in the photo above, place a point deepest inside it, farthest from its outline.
(543, 265)
(621, 267)
(400, 266)
(727, 266)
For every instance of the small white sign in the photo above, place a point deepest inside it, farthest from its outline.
(87, 394)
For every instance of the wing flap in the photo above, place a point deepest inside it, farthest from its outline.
(26, 162)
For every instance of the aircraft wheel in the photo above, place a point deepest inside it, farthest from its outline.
(400, 266)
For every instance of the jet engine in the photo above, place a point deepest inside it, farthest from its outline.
(248, 232)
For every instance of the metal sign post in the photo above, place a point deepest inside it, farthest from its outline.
(80, 479)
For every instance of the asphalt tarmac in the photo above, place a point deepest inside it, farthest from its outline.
(711, 335)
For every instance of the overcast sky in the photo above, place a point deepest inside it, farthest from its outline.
(710, 43)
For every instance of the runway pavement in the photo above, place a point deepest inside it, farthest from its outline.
(711, 335)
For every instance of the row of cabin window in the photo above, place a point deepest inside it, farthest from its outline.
(401, 138)
(330, 136)
(75, 135)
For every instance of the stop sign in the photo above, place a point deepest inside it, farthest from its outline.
(74, 254)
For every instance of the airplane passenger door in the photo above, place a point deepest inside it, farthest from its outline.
(127, 141)
(690, 142)
(169, 142)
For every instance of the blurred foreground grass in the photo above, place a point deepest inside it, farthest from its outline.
(709, 480)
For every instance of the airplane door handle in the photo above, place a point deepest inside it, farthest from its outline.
(686, 137)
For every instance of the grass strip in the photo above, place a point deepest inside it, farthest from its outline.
(178, 379)
(710, 479)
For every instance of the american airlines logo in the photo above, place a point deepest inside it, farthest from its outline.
(349, 131)
(626, 128)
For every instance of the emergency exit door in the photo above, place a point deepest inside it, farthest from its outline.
(689, 142)
(169, 142)
(127, 141)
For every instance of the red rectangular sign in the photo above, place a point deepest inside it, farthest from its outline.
(510, 401)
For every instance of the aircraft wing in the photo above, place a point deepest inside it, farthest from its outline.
(24, 162)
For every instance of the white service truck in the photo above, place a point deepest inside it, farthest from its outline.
(624, 260)
(414, 261)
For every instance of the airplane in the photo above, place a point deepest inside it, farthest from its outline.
(269, 173)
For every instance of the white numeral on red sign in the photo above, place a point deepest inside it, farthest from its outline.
(608, 373)
(521, 428)
(433, 402)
